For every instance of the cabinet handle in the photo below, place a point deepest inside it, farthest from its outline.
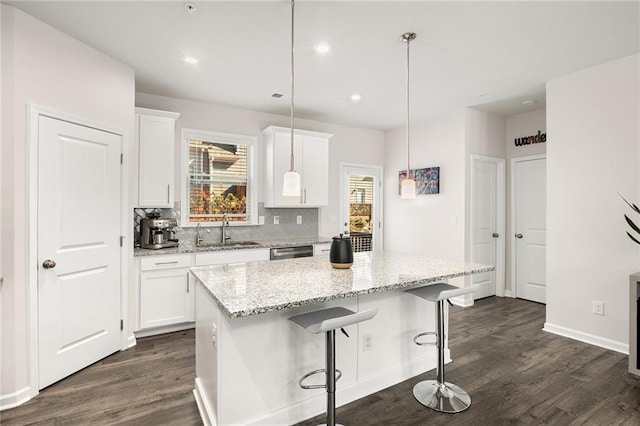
(167, 263)
(305, 196)
(168, 193)
(187, 282)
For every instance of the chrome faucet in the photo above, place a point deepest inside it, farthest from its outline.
(225, 224)
(198, 237)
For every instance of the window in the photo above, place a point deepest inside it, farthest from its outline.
(217, 171)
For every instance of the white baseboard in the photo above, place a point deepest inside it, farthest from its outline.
(313, 406)
(14, 399)
(463, 301)
(587, 338)
(508, 293)
(207, 414)
(131, 341)
(165, 329)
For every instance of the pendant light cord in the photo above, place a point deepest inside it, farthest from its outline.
(408, 40)
(292, 78)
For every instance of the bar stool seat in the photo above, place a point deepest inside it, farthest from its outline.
(328, 321)
(439, 394)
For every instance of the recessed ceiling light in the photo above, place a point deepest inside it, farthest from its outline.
(191, 60)
(322, 48)
(190, 7)
(529, 102)
(276, 95)
(356, 97)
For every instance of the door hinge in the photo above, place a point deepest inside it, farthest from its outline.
(121, 325)
(121, 240)
(121, 158)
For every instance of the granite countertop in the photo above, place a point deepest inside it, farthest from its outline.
(270, 243)
(244, 289)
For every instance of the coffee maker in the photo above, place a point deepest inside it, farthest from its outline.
(156, 233)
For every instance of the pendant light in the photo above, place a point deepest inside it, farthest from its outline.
(408, 186)
(291, 181)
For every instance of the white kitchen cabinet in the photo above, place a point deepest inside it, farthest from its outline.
(155, 135)
(321, 249)
(166, 294)
(311, 150)
(231, 256)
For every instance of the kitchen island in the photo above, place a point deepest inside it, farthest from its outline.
(249, 358)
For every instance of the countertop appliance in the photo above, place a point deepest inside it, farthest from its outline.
(156, 233)
(291, 252)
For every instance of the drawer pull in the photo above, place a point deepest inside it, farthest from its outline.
(167, 263)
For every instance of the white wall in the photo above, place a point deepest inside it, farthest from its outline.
(517, 126)
(485, 133)
(43, 66)
(424, 225)
(592, 154)
(348, 144)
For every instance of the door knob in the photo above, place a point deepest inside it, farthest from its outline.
(518, 235)
(48, 264)
(495, 235)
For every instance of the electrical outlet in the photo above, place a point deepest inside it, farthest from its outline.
(276, 220)
(299, 219)
(598, 307)
(367, 342)
(260, 220)
(214, 336)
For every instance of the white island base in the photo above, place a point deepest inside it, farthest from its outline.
(248, 368)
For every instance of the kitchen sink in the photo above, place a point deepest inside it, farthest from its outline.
(230, 244)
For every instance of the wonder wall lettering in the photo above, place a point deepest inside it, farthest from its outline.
(528, 140)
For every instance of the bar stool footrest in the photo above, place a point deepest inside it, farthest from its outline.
(321, 370)
(426, 333)
(446, 398)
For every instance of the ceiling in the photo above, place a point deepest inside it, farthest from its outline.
(487, 55)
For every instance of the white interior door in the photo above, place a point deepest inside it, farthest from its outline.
(373, 174)
(78, 247)
(484, 224)
(530, 227)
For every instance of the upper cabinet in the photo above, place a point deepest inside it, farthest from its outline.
(311, 151)
(155, 133)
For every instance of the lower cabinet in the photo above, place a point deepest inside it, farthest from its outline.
(166, 290)
(320, 249)
(165, 298)
(165, 295)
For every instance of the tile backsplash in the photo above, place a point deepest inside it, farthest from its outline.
(287, 227)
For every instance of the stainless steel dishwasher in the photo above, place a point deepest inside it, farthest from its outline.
(279, 253)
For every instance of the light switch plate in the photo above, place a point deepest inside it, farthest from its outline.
(299, 219)
(276, 220)
(260, 220)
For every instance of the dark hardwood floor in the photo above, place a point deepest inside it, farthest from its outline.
(149, 384)
(515, 373)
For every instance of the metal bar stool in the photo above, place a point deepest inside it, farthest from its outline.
(327, 321)
(439, 394)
